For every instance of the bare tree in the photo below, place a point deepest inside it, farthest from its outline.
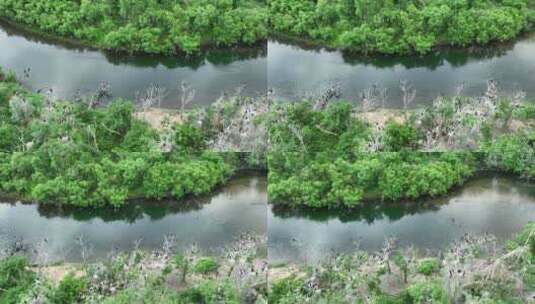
(331, 93)
(86, 249)
(21, 108)
(166, 137)
(376, 139)
(387, 252)
(102, 93)
(408, 93)
(235, 117)
(187, 95)
(373, 97)
(153, 95)
(459, 89)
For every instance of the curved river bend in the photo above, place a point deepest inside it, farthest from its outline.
(295, 72)
(500, 206)
(496, 205)
(211, 222)
(69, 69)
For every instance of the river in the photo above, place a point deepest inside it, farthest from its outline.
(211, 222)
(70, 69)
(297, 71)
(497, 205)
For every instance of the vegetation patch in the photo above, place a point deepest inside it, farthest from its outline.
(143, 277)
(326, 153)
(77, 153)
(400, 27)
(474, 269)
(147, 26)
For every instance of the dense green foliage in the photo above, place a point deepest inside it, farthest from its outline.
(205, 265)
(513, 154)
(400, 27)
(69, 290)
(428, 266)
(15, 279)
(332, 181)
(336, 156)
(70, 153)
(145, 26)
(319, 159)
(207, 292)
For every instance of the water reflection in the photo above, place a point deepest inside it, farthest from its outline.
(295, 71)
(211, 222)
(497, 205)
(68, 68)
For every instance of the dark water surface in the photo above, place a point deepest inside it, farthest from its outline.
(211, 222)
(500, 206)
(67, 69)
(292, 71)
(296, 71)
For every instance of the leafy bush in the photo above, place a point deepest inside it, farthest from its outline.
(210, 292)
(149, 294)
(399, 136)
(326, 180)
(525, 236)
(70, 290)
(206, 265)
(285, 289)
(525, 111)
(424, 292)
(15, 279)
(428, 266)
(512, 153)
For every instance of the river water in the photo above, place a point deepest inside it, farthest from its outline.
(496, 205)
(70, 70)
(296, 71)
(211, 222)
(292, 71)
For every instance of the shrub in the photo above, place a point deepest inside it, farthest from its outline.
(206, 265)
(424, 292)
(155, 27)
(428, 266)
(285, 288)
(15, 279)
(70, 290)
(68, 153)
(525, 111)
(400, 27)
(210, 292)
(400, 136)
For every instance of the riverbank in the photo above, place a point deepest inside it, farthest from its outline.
(474, 268)
(431, 75)
(386, 28)
(499, 205)
(99, 155)
(211, 221)
(238, 275)
(327, 153)
(168, 32)
(32, 33)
